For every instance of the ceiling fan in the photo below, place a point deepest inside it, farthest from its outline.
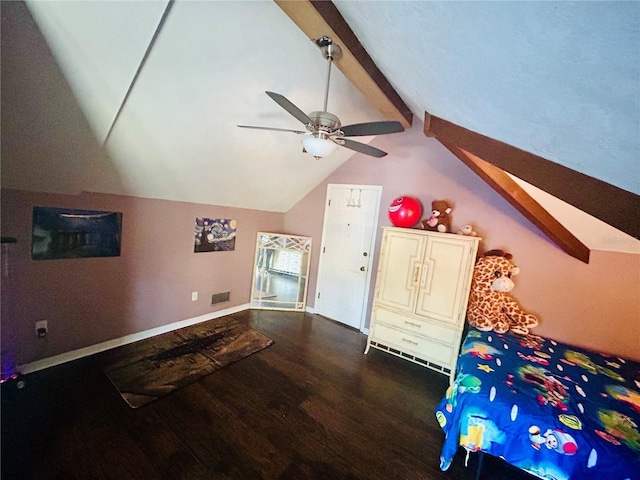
(324, 131)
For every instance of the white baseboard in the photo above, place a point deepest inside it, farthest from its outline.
(117, 342)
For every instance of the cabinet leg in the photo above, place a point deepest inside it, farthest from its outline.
(366, 350)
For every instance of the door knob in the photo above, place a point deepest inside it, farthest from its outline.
(362, 269)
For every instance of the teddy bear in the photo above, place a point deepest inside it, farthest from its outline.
(440, 219)
(467, 230)
(491, 307)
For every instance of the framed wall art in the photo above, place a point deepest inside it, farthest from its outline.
(71, 233)
(215, 235)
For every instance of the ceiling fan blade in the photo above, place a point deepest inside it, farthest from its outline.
(290, 107)
(272, 128)
(361, 147)
(372, 128)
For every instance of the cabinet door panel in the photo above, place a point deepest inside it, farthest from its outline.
(443, 280)
(399, 270)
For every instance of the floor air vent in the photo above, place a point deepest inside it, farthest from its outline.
(220, 297)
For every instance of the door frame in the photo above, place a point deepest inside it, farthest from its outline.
(370, 260)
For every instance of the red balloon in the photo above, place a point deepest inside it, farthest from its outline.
(405, 211)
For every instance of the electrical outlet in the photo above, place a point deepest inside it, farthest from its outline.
(42, 328)
(194, 296)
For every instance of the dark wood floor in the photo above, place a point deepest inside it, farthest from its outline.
(311, 406)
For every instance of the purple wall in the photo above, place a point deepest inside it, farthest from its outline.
(88, 301)
(92, 300)
(595, 305)
(47, 146)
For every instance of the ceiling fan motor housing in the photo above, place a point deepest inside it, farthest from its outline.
(325, 121)
(324, 127)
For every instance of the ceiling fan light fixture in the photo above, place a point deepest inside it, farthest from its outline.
(318, 145)
(326, 133)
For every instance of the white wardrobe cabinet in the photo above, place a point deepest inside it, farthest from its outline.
(421, 296)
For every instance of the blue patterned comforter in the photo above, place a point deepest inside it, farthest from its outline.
(555, 411)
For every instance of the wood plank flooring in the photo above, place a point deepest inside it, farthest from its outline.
(311, 406)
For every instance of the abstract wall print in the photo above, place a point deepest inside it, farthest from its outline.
(70, 233)
(215, 235)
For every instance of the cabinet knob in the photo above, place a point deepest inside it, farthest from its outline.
(362, 269)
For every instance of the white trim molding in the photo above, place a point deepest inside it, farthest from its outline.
(117, 342)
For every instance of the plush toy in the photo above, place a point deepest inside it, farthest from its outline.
(440, 219)
(467, 230)
(491, 307)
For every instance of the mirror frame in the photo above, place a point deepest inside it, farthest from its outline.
(274, 247)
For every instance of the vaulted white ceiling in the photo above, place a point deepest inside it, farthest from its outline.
(558, 79)
(176, 137)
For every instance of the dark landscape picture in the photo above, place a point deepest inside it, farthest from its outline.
(69, 233)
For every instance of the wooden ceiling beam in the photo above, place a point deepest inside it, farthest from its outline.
(322, 18)
(502, 183)
(615, 206)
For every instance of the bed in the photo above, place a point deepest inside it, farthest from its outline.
(553, 410)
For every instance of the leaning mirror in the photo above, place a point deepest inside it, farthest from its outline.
(280, 271)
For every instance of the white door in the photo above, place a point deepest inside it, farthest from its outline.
(348, 240)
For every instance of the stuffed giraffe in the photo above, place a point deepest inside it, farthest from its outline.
(490, 305)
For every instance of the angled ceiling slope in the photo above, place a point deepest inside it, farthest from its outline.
(557, 79)
(606, 202)
(176, 136)
(612, 205)
(498, 76)
(322, 18)
(511, 191)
